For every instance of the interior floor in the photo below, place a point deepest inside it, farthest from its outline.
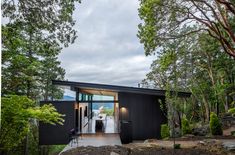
(109, 125)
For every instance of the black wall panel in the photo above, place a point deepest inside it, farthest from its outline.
(144, 112)
(58, 134)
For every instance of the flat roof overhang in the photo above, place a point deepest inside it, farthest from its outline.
(114, 88)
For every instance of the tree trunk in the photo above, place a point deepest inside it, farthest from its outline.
(26, 145)
(207, 109)
(179, 117)
(226, 103)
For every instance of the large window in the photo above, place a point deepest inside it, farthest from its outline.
(88, 97)
(67, 94)
(103, 98)
(85, 97)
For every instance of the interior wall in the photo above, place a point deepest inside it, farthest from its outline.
(84, 119)
(116, 116)
(144, 112)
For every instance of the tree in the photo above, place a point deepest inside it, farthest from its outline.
(48, 71)
(24, 70)
(37, 29)
(202, 68)
(25, 74)
(16, 114)
(35, 33)
(213, 74)
(51, 18)
(19, 68)
(164, 19)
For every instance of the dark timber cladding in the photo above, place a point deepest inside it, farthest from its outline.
(139, 112)
(58, 134)
(144, 112)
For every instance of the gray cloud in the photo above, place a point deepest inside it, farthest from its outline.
(107, 49)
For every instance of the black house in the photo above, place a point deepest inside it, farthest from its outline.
(136, 112)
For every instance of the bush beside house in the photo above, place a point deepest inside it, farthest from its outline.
(185, 126)
(231, 111)
(215, 125)
(165, 131)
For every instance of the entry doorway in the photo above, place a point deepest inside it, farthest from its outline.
(98, 118)
(100, 111)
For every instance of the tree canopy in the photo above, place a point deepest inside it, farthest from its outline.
(171, 19)
(52, 18)
(189, 39)
(33, 35)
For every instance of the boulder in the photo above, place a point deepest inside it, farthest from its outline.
(189, 136)
(114, 153)
(228, 120)
(230, 146)
(150, 141)
(201, 143)
(177, 133)
(201, 131)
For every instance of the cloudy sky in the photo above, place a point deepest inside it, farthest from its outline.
(107, 50)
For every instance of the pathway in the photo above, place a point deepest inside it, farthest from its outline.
(98, 139)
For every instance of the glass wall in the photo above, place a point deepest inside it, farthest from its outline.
(66, 94)
(85, 97)
(89, 97)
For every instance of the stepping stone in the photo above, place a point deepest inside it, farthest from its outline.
(230, 146)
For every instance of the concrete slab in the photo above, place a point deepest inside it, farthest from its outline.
(98, 139)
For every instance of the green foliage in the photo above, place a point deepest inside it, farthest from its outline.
(146, 32)
(55, 149)
(109, 112)
(165, 132)
(185, 126)
(27, 72)
(187, 55)
(215, 125)
(231, 111)
(167, 20)
(177, 146)
(207, 72)
(32, 39)
(17, 114)
(233, 133)
(52, 18)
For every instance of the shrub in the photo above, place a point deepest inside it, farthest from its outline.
(185, 126)
(165, 132)
(231, 111)
(215, 125)
(233, 133)
(177, 146)
(16, 113)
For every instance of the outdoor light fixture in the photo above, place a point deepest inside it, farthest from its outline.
(123, 110)
(124, 114)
